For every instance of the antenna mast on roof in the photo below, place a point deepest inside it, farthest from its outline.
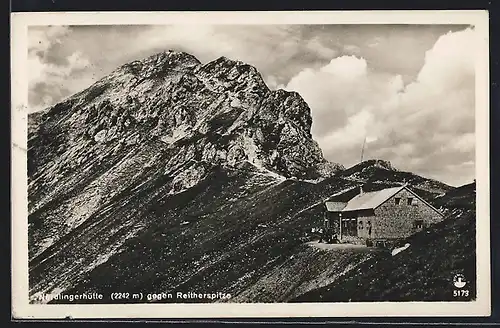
(363, 150)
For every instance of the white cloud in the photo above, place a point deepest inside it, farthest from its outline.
(353, 133)
(371, 138)
(450, 62)
(48, 78)
(346, 67)
(42, 38)
(375, 42)
(341, 89)
(431, 120)
(464, 143)
(273, 83)
(352, 49)
(318, 47)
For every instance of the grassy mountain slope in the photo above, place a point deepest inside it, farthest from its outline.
(241, 233)
(223, 234)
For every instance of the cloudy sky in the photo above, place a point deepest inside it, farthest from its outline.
(407, 89)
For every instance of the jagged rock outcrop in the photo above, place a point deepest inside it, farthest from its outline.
(220, 112)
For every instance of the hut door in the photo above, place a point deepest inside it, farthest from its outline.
(369, 228)
(349, 226)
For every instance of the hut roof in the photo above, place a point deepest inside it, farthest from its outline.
(335, 206)
(370, 200)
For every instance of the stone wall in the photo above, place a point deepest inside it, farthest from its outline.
(399, 220)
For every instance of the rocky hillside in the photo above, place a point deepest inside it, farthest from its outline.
(382, 174)
(221, 235)
(461, 198)
(169, 174)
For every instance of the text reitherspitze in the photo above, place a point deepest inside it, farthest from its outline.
(125, 296)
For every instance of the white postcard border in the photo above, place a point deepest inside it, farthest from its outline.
(19, 226)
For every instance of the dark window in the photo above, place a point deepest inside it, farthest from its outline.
(397, 200)
(360, 225)
(410, 201)
(419, 224)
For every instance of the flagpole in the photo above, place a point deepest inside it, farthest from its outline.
(363, 149)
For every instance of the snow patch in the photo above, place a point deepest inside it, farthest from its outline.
(313, 181)
(236, 103)
(262, 170)
(100, 136)
(46, 243)
(186, 179)
(251, 150)
(180, 132)
(308, 208)
(399, 249)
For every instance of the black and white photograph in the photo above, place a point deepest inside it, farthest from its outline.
(214, 161)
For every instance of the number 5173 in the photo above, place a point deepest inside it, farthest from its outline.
(460, 293)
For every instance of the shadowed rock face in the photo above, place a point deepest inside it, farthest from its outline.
(169, 174)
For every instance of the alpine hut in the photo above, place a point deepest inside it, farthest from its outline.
(379, 216)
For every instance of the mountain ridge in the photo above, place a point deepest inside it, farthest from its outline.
(153, 86)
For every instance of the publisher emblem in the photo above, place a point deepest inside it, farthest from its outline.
(459, 280)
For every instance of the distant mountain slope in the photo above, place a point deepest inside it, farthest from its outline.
(378, 174)
(460, 198)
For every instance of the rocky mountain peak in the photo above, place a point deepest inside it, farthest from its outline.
(383, 164)
(220, 113)
(166, 60)
(369, 166)
(227, 74)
